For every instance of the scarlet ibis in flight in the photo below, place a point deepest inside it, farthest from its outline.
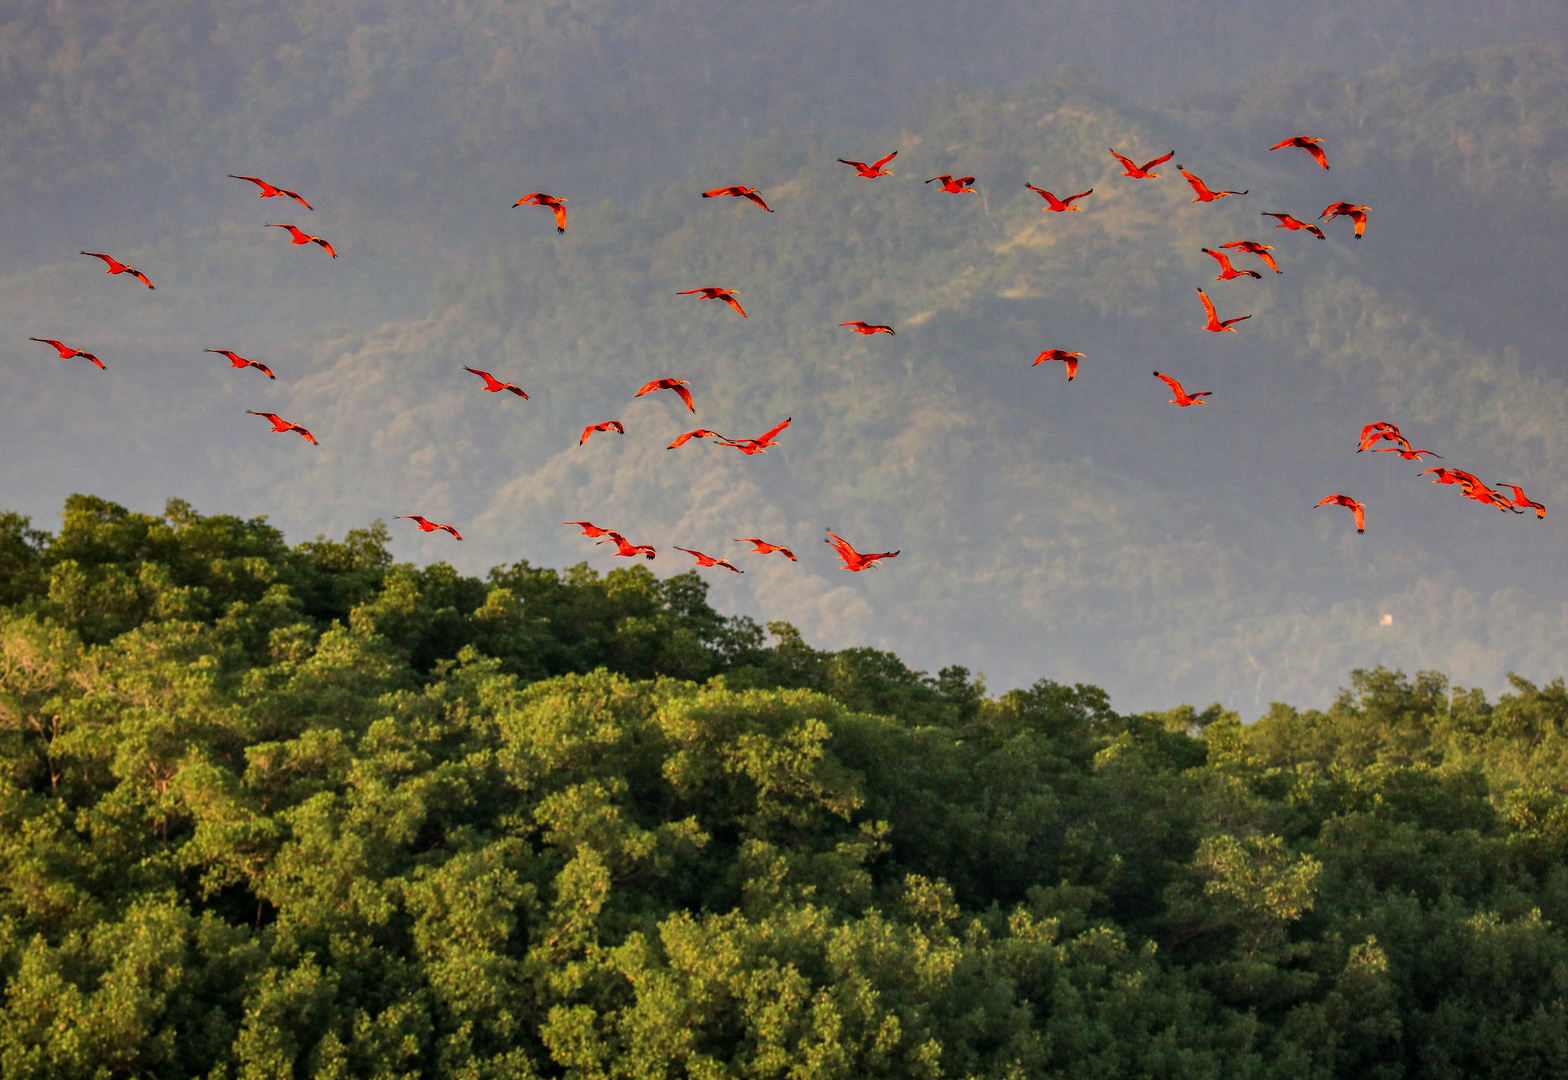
(606, 426)
(1494, 498)
(678, 385)
(1470, 484)
(1377, 425)
(299, 237)
(700, 433)
(1141, 172)
(428, 526)
(868, 328)
(1059, 205)
(760, 444)
(1472, 488)
(762, 547)
(114, 266)
(280, 424)
(1260, 250)
(1309, 145)
(1214, 323)
(1375, 433)
(268, 191)
(1358, 214)
(1406, 452)
(1227, 271)
(739, 192)
(954, 187)
(625, 547)
(235, 360)
(539, 198)
(589, 528)
(66, 352)
(1202, 189)
(1380, 436)
(1183, 398)
(1521, 501)
(713, 292)
(1358, 509)
(1478, 491)
(853, 560)
(1068, 358)
(875, 169)
(1450, 476)
(1285, 221)
(495, 385)
(709, 560)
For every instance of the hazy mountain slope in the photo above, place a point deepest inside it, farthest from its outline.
(1471, 152)
(117, 109)
(1084, 531)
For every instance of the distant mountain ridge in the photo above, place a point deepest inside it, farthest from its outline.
(1082, 532)
(1066, 527)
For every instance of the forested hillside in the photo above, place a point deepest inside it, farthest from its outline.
(274, 811)
(1085, 531)
(1042, 523)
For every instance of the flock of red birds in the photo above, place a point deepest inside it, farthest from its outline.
(1371, 435)
(1383, 431)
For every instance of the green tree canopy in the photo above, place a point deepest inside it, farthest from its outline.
(272, 811)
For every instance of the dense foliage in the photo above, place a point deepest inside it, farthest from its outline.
(273, 811)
